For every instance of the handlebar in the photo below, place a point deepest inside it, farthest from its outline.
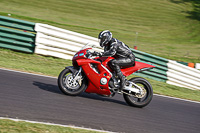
(90, 54)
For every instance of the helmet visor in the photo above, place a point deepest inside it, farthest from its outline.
(103, 41)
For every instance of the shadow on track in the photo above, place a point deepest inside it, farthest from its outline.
(55, 89)
(47, 87)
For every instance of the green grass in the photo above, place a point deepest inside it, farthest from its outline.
(165, 27)
(53, 66)
(9, 126)
(32, 63)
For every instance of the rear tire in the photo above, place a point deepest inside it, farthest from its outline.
(67, 84)
(138, 100)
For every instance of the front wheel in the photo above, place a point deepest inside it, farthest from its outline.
(143, 99)
(69, 85)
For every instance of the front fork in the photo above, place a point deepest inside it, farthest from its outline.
(78, 77)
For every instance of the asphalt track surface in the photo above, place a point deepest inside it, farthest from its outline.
(37, 98)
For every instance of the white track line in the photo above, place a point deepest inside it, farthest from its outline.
(176, 98)
(52, 124)
(18, 71)
(56, 78)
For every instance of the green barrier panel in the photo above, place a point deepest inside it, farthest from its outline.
(18, 48)
(16, 23)
(154, 75)
(17, 34)
(150, 58)
(158, 67)
(149, 76)
(15, 42)
(184, 63)
(158, 73)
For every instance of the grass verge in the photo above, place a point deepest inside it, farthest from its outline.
(53, 66)
(10, 126)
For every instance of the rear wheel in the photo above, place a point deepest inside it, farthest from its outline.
(142, 99)
(70, 86)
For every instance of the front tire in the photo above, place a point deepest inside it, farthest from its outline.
(67, 84)
(140, 100)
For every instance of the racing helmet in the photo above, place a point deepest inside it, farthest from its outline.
(104, 37)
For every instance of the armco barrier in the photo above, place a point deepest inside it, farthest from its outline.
(17, 34)
(197, 66)
(60, 43)
(159, 73)
(183, 76)
(169, 71)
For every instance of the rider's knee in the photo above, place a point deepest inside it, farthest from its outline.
(113, 62)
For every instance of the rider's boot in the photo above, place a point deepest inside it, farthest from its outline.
(122, 80)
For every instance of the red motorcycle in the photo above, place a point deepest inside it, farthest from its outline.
(93, 75)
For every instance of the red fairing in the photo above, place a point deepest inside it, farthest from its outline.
(94, 85)
(80, 54)
(126, 71)
(98, 70)
(105, 61)
(138, 66)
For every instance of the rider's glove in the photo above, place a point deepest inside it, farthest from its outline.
(96, 53)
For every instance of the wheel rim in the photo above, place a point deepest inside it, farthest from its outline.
(70, 83)
(142, 96)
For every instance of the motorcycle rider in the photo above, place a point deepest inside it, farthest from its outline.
(117, 49)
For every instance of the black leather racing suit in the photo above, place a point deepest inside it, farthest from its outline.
(123, 57)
